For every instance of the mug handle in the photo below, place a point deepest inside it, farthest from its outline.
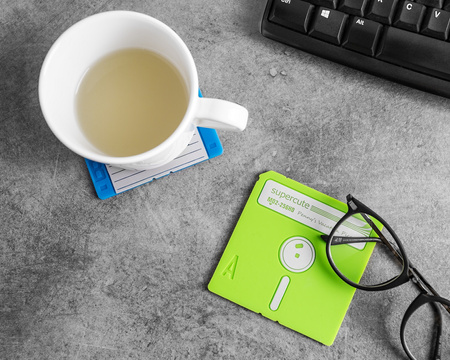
(221, 114)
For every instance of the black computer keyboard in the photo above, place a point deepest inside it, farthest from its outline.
(403, 41)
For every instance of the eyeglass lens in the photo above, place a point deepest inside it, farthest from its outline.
(428, 324)
(362, 239)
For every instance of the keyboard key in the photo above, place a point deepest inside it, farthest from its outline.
(437, 23)
(432, 3)
(415, 52)
(363, 35)
(331, 4)
(329, 25)
(410, 16)
(382, 11)
(353, 7)
(293, 14)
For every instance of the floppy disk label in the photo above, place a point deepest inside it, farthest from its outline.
(308, 211)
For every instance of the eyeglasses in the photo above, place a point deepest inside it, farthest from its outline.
(362, 237)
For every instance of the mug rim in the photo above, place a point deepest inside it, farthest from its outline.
(192, 88)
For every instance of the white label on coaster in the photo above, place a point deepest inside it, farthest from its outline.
(123, 180)
(308, 211)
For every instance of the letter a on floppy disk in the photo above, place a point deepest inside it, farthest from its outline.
(275, 262)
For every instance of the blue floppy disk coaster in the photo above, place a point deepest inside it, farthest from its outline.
(275, 262)
(109, 180)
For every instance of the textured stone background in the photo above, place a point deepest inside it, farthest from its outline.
(82, 278)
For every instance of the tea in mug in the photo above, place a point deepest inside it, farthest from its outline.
(130, 101)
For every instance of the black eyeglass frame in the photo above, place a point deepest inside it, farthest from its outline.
(356, 207)
(427, 294)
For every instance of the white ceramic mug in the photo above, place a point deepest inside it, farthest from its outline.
(87, 41)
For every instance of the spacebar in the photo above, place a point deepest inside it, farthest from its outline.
(416, 52)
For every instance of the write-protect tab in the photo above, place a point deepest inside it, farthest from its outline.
(100, 179)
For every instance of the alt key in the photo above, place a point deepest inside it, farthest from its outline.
(363, 35)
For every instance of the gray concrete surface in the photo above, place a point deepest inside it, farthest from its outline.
(126, 278)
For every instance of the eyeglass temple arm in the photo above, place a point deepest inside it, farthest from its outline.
(382, 237)
(342, 240)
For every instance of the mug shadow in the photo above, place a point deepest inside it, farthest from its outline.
(25, 135)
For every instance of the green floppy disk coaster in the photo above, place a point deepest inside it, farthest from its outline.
(275, 262)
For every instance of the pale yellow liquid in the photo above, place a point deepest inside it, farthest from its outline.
(130, 101)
